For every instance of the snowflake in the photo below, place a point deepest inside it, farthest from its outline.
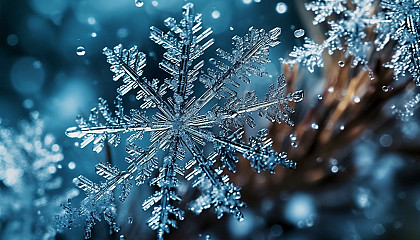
(397, 21)
(179, 126)
(29, 159)
(400, 21)
(347, 33)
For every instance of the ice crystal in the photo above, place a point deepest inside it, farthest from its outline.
(394, 21)
(346, 33)
(400, 21)
(182, 125)
(29, 187)
(407, 111)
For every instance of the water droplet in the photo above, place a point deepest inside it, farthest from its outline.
(342, 127)
(80, 51)
(299, 33)
(215, 14)
(72, 165)
(385, 140)
(319, 97)
(334, 169)
(318, 159)
(212, 61)
(331, 89)
(314, 126)
(138, 3)
(356, 99)
(293, 137)
(371, 75)
(94, 34)
(281, 7)
(387, 88)
(294, 144)
(122, 237)
(231, 28)
(341, 63)
(130, 220)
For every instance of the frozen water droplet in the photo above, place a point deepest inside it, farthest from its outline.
(293, 137)
(387, 88)
(356, 99)
(138, 3)
(212, 61)
(299, 33)
(130, 220)
(281, 7)
(371, 75)
(80, 51)
(341, 63)
(314, 126)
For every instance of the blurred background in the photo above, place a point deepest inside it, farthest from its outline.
(358, 170)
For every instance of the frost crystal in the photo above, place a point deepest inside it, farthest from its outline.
(400, 21)
(347, 33)
(397, 20)
(182, 124)
(29, 187)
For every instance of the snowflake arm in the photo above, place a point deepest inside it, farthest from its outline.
(248, 51)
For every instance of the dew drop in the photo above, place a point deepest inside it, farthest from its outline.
(341, 63)
(122, 237)
(334, 169)
(314, 126)
(138, 3)
(385, 88)
(130, 220)
(356, 99)
(281, 7)
(299, 33)
(212, 61)
(80, 51)
(294, 144)
(292, 137)
(319, 97)
(231, 28)
(342, 127)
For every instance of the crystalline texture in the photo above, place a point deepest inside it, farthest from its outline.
(180, 126)
(400, 21)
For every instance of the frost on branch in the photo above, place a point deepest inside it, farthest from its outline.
(29, 188)
(180, 125)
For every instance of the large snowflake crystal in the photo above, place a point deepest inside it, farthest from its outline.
(29, 185)
(183, 124)
(400, 21)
